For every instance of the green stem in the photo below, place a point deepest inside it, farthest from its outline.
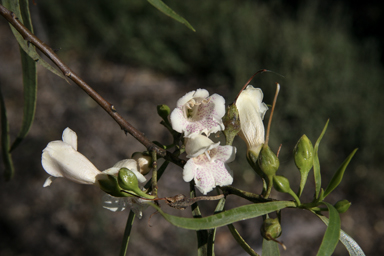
(228, 190)
(154, 173)
(127, 233)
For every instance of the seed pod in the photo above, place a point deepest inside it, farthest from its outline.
(108, 183)
(281, 184)
(271, 229)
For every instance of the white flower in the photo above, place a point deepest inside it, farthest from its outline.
(207, 166)
(197, 113)
(61, 159)
(251, 112)
(130, 164)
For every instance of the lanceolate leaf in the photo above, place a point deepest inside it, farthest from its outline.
(14, 6)
(352, 247)
(240, 240)
(29, 81)
(316, 162)
(226, 217)
(332, 234)
(336, 179)
(7, 159)
(161, 6)
(270, 248)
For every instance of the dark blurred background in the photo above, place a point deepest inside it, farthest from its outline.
(329, 52)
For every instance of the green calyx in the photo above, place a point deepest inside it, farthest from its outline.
(231, 122)
(268, 161)
(303, 155)
(271, 229)
(109, 184)
(128, 182)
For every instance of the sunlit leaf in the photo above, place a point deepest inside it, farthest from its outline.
(336, 179)
(352, 247)
(226, 217)
(161, 6)
(316, 162)
(7, 159)
(332, 234)
(270, 248)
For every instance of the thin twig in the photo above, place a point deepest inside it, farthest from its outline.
(108, 107)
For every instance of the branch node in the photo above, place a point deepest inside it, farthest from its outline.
(68, 74)
(113, 108)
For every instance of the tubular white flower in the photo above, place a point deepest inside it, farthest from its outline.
(198, 113)
(61, 159)
(207, 166)
(251, 112)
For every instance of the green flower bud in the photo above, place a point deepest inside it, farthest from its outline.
(271, 229)
(128, 181)
(281, 184)
(303, 155)
(342, 206)
(108, 183)
(268, 161)
(231, 122)
(163, 111)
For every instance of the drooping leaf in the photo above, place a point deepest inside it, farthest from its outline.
(316, 162)
(7, 158)
(14, 6)
(161, 6)
(352, 247)
(226, 217)
(332, 234)
(338, 176)
(240, 240)
(29, 81)
(270, 248)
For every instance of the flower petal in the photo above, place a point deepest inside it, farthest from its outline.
(251, 112)
(70, 137)
(199, 93)
(198, 144)
(130, 164)
(225, 154)
(60, 159)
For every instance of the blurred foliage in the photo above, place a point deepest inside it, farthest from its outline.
(328, 74)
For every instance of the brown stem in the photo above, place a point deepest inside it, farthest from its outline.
(108, 107)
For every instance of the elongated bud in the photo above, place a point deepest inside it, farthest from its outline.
(271, 229)
(144, 162)
(231, 122)
(128, 181)
(303, 155)
(163, 111)
(342, 206)
(281, 184)
(268, 161)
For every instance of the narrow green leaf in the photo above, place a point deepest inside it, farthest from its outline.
(316, 162)
(30, 96)
(202, 235)
(270, 248)
(226, 217)
(127, 233)
(332, 234)
(14, 6)
(350, 244)
(161, 6)
(7, 158)
(336, 179)
(240, 240)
